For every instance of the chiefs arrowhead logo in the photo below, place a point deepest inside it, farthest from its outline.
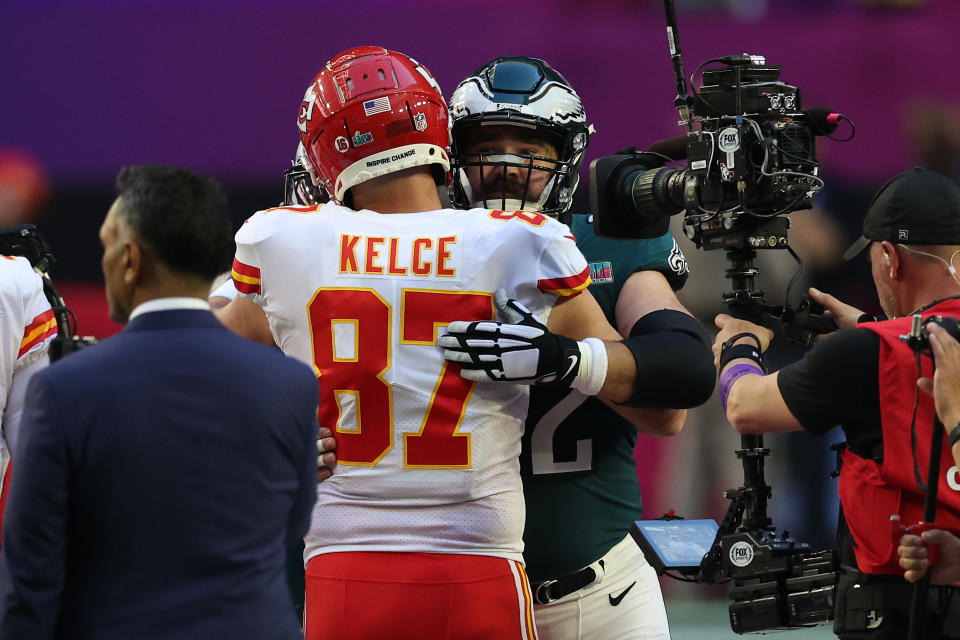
(306, 108)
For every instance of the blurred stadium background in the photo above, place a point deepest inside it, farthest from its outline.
(89, 86)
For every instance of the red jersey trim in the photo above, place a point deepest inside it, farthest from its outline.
(306, 208)
(43, 327)
(245, 277)
(566, 287)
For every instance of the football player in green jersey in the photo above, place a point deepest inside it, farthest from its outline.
(519, 133)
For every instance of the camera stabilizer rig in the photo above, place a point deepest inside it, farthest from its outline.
(751, 157)
(25, 240)
(778, 583)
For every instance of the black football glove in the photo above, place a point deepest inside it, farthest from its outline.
(524, 352)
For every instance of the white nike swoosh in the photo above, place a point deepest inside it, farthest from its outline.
(573, 363)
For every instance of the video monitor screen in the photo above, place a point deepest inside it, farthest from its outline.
(676, 544)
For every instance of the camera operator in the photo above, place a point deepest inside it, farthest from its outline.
(912, 229)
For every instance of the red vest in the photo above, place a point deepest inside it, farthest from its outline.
(870, 492)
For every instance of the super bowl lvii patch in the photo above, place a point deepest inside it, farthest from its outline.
(601, 272)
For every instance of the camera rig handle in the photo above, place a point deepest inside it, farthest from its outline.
(798, 324)
(743, 300)
(806, 321)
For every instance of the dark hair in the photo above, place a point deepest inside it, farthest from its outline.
(183, 217)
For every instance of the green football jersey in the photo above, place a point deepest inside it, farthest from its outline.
(579, 473)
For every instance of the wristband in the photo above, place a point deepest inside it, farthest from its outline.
(732, 375)
(593, 367)
(866, 317)
(954, 436)
(740, 351)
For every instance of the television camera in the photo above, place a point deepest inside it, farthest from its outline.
(750, 158)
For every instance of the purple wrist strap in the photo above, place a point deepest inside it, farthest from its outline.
(731, 375)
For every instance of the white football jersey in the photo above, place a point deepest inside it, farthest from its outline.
(428, 461)
(27, 326)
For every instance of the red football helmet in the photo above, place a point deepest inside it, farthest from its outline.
(371, 112)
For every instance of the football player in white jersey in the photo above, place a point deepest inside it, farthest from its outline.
(27, 325)
(418, 534)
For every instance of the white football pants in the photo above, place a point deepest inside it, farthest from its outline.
(624, 603)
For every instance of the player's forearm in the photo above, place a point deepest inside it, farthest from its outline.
(653, 422)
(246, 319)
(621, 374)
(620, 386)
(217, 302)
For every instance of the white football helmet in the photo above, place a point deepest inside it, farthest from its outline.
(527, 93)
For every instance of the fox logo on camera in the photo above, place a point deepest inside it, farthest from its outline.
(741, 554)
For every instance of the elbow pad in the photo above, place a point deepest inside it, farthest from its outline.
(674, 361)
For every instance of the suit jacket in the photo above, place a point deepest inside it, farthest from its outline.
(160, 476)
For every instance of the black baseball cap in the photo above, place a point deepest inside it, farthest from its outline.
(918, 206)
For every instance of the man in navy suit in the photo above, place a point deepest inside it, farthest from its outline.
(162, 473)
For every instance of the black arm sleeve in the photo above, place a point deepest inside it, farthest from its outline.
(674, 361)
